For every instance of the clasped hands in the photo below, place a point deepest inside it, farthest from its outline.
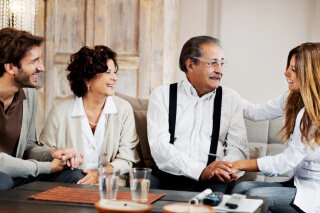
(65, 157)
(221, 171)
(72, 159)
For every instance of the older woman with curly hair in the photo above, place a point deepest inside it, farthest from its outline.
(94, 121)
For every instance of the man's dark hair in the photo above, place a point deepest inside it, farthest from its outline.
(85, 64)
(192, 49)
(14, 44)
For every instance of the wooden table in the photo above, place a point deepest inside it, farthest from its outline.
(16, 200)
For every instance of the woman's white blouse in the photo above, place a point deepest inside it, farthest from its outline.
(93, 141)
(272, 109)
(305, 161)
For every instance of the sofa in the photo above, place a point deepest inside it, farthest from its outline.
(263, 139)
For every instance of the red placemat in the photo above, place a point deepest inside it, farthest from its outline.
(85, 196)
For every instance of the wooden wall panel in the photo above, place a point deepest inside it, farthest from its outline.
(62, 86)
(65, 32)
(158, 44)
(145, 47)
(40, 21)
(123, 27)
(127, 82)
(69, 25)
(140, 31)
(117, 25)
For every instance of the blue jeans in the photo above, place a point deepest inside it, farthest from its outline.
(279, 196)
(65, 176)
(6, 182)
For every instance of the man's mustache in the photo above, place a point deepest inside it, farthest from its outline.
(215, 76)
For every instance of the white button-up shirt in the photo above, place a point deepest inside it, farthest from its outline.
(189, 154)
(299, 157)
(92, 142)
(305, 161)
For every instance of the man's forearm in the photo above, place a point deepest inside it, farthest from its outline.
(16, 167)
(40, 153)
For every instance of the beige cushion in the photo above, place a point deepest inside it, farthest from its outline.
(140, 107)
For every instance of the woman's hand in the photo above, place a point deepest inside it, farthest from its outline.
(235, 167)
(108, 167)
(91, 177)
(75, 161)
(245, 165)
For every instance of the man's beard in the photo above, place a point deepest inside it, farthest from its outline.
(23, 79)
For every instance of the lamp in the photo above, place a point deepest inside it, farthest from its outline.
(19, 14)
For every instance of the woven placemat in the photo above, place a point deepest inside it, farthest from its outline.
(84, 196)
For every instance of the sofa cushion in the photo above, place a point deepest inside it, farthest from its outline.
(140, 107)
(275, 126)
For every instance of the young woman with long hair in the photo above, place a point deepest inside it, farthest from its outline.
(302, 131)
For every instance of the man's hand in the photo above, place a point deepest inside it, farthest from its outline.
(90, 178)
(57, 165)
(206, 174)
(219, 171)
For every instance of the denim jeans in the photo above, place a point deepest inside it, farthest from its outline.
(6, 182)
(65, 176)
(279, 196)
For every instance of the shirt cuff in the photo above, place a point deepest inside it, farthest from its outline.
(262, 164)
(195, 169)
(44, 167)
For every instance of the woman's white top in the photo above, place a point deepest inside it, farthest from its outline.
(304, 160)
(272, 109)
(67, 127)
(93, 141)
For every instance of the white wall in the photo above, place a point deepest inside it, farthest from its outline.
(256, 36)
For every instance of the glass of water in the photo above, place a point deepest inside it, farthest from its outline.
(140, 184)
(108, 183)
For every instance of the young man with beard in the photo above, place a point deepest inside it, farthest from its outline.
(20, 155)
(196, 126)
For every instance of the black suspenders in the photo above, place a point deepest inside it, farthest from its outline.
(216, 125)
(216, 119)
(172, 110)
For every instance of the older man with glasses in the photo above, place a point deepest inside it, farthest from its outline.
(195, 127)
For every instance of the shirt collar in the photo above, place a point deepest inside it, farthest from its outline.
(110, 106)
(18, 97)
(78, 109)
(191, 91)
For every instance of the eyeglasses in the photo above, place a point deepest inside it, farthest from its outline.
(212, 63)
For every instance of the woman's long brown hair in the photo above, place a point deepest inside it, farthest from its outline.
(307, 69)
